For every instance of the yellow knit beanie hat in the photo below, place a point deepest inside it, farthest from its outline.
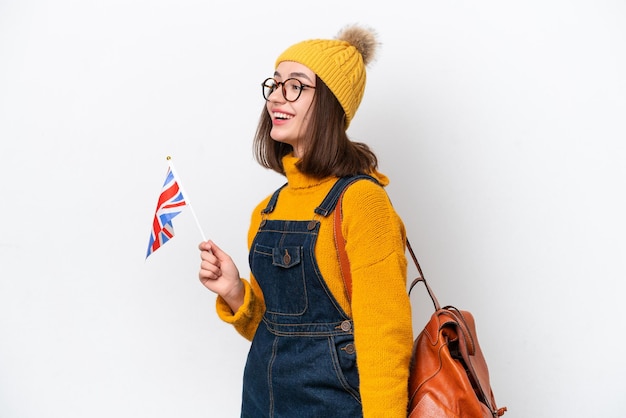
(339, 62)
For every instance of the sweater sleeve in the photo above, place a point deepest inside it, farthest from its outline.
(248, 317)
(383, 333)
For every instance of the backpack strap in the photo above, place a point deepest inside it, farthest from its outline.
(344, 262)
(340, 243)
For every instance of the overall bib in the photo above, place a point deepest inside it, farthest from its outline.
(302, 361)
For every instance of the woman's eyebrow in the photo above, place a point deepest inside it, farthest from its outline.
(296, 74)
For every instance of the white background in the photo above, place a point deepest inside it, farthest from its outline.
(501, 126)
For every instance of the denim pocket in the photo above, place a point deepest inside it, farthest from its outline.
(286, 257)
(344, 356)
(280, 273)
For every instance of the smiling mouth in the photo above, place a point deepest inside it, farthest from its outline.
(282, 116)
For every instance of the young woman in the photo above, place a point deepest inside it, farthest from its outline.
(316, 351)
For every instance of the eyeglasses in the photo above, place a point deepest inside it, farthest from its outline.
(292, 88)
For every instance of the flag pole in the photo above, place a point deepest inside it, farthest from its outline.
(180, 185)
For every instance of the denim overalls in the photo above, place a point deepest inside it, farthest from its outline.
(302, 361)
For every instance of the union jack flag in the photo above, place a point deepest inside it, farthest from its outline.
(171, 203)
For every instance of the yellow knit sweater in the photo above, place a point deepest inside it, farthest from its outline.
(375, 243)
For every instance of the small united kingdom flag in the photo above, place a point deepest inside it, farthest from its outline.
(171, 203)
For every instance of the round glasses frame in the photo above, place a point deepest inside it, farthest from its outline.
(295, 86)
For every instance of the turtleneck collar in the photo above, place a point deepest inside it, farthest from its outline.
(299, 180)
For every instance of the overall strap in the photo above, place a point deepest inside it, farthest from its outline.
(331, 199)
(329, 202)
(272, 202)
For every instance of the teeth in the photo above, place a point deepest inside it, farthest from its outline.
(279, 115)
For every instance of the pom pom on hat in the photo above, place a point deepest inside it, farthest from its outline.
(339, 62)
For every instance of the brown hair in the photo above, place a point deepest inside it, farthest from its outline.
(328, 152)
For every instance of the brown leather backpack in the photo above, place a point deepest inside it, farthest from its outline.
(448, 374)
(449, 377)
